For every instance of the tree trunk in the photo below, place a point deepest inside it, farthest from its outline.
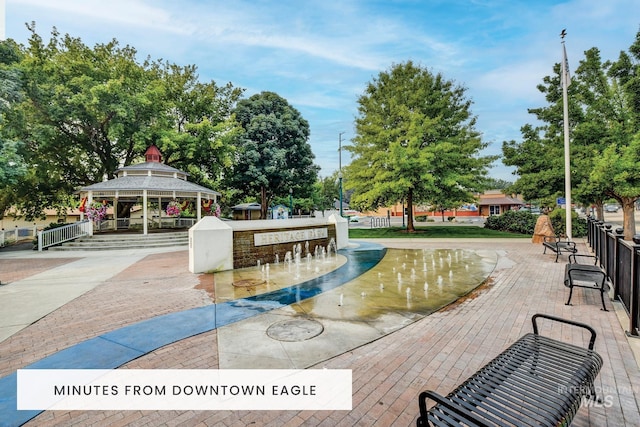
(600, 211)
(263, 202)
(629, 219)
(124, 210)
(410, 227)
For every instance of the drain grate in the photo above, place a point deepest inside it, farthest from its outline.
(247, 283)
(295, 330)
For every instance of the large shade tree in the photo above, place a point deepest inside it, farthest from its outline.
(415, 141)
(85, 112)
(12, 166)
(612, 98)
(273, 155)
(604, 119)
(539, 157)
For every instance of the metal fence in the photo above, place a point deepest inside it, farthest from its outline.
(621, 261)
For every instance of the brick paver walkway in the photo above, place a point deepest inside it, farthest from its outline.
(437, 352)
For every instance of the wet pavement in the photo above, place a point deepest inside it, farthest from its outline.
(401, 349)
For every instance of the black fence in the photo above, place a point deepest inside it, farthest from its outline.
(621, 261)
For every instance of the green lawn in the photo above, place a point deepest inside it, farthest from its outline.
(442, 231)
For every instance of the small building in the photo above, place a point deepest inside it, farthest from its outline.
(246, 211)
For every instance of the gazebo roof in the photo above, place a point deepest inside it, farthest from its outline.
(152, 167)
(155, 186)
(157, 179)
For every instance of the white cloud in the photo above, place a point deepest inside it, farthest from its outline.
(320, 54)
(125, 12)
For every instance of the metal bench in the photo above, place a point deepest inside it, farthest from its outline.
(536, 381)
(558, 245)
(577, 274)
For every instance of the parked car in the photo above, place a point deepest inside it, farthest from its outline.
(534, 210)
(611, 208)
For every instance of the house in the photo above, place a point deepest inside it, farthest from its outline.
(494, 202)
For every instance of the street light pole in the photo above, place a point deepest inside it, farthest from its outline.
(340, 168)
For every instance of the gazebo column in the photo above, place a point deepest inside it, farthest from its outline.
(199, 206)
(145, 228)
(159, 212)
(115, 212)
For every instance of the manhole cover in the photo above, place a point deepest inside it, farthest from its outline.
(248, 283)
(295, 330)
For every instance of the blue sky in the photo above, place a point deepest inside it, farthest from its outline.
(320, 54)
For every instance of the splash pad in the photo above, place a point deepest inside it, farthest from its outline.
(404, 286)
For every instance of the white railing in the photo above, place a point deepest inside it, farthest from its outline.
(16, 235)
(171, 222)
(65, 233)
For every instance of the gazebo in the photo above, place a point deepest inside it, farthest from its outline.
(151, 180)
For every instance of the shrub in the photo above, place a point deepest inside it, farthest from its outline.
(558, 221)
(451, 218)
(421, 218)
(513, 222)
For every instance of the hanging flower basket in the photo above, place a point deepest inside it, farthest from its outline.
(211, 208)
(97, 211)
(173, 209)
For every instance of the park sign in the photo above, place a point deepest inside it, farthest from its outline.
(287, 236)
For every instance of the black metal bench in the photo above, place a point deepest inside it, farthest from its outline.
(536, 381)
(558, 245)
(577, 274)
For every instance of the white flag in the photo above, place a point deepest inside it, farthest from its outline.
(566, 77)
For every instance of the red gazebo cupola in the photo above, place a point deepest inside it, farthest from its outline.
(153, 154)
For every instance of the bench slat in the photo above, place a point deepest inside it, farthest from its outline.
(536, 381)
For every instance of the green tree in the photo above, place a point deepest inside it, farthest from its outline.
(273, 154)
(604, 118)
(328, 191)
(415, 141)
(613, 103)
(85, 112)
(12, 166)
(497, 184)
(200, 134)
(539, 157)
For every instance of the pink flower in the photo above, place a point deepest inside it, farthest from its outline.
(173, 209)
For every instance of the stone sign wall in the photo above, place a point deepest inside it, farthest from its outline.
(251, 246)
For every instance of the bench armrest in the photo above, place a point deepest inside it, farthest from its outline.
(574, 260)
(592, 341)
(450, 405)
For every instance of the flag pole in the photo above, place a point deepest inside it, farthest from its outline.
(566, 80)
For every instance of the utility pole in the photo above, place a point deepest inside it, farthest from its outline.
(340, 168)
